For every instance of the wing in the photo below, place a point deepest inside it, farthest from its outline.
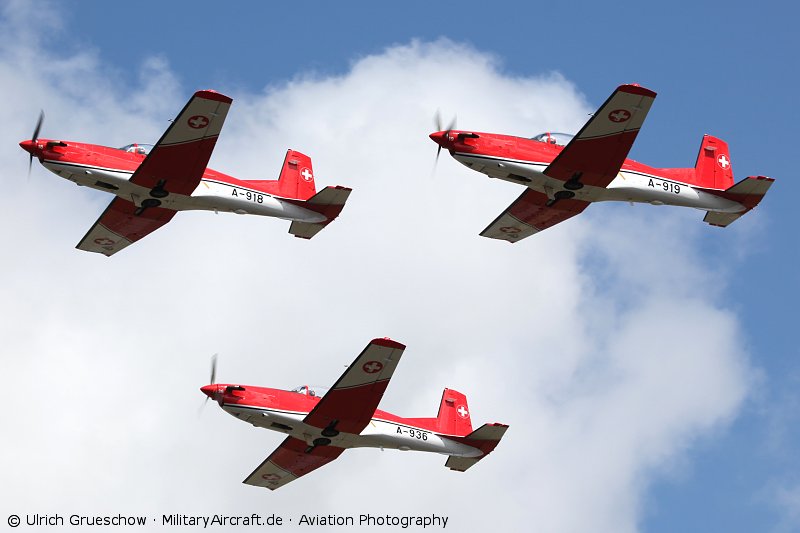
(120, 225)
(177, 162)
(595, 155)
(290, 461)
(349, 405)
(174, 165)
(530, 213)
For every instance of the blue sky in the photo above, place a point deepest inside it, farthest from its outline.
(725, 70)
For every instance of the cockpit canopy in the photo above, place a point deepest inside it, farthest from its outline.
(137, 148)
(560, 139)
(310, 390)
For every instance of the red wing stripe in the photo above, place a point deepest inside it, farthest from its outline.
(179, 158)
(119, 226)
(355, 396)
(636, 89)
(596, 154)
(291, 460)
(532, 209)
(208, 94)
(529, 214)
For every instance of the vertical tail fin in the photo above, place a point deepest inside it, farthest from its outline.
(296, 179)
(713, 167)
(453, 417)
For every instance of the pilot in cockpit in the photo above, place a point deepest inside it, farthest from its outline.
(561, 139)
(304, 389)
(135, 148)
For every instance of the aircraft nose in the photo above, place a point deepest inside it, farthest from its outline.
(439, 137)
(209, 390)
(29, 146)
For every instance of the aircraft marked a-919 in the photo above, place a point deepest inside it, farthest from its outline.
(563, 174)
(152, 185)
(321, 427)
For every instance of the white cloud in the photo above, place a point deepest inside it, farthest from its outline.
(598, 340)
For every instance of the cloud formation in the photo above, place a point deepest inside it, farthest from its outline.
(597, 341)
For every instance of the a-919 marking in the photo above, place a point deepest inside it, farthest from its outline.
(668, 186)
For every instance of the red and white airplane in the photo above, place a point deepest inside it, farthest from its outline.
(152, 183)
(321, 427)
(563, 174)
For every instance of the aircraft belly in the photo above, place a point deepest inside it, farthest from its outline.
(634, 187)
(265, 418)
(521, 172)
(389, 435)
(628, 186)
(209, 196)
(215, 196)
(107, 180)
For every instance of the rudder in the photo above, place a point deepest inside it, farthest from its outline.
(295, 181)
(713, 168)
(453, 417)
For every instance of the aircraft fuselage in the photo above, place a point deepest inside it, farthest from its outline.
(523, 161)
(110, 169)
(284, 411)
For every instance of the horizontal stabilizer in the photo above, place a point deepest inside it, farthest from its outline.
(329, 202)
(747, 192)
(486, 438)
(752, 186)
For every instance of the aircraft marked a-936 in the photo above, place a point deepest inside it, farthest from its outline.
(563, 174)
(152, 183)
(321, 427)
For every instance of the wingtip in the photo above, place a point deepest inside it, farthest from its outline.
(635, 88)
(209, 94)
(388, 343)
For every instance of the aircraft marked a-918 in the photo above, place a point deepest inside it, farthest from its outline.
(321, 427)
(563, 174)
(152, 185)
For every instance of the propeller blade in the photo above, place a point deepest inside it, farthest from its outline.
(213, 369)
(452, 124)
(38, 126)
(213, 381)
(437, 121)
(35, 136)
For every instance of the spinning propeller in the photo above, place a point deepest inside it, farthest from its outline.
(213, 380)
(34, 138)
(437, 120)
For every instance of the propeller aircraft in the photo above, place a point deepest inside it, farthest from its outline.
(152, 183)
(563, 174)
(320, 427)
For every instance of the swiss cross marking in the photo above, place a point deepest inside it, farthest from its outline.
(104, 241)
(462, 411)
(307, 175)
(724, 162)
(198, 121)
(372, 366)
(510, 229)
(619, 115)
